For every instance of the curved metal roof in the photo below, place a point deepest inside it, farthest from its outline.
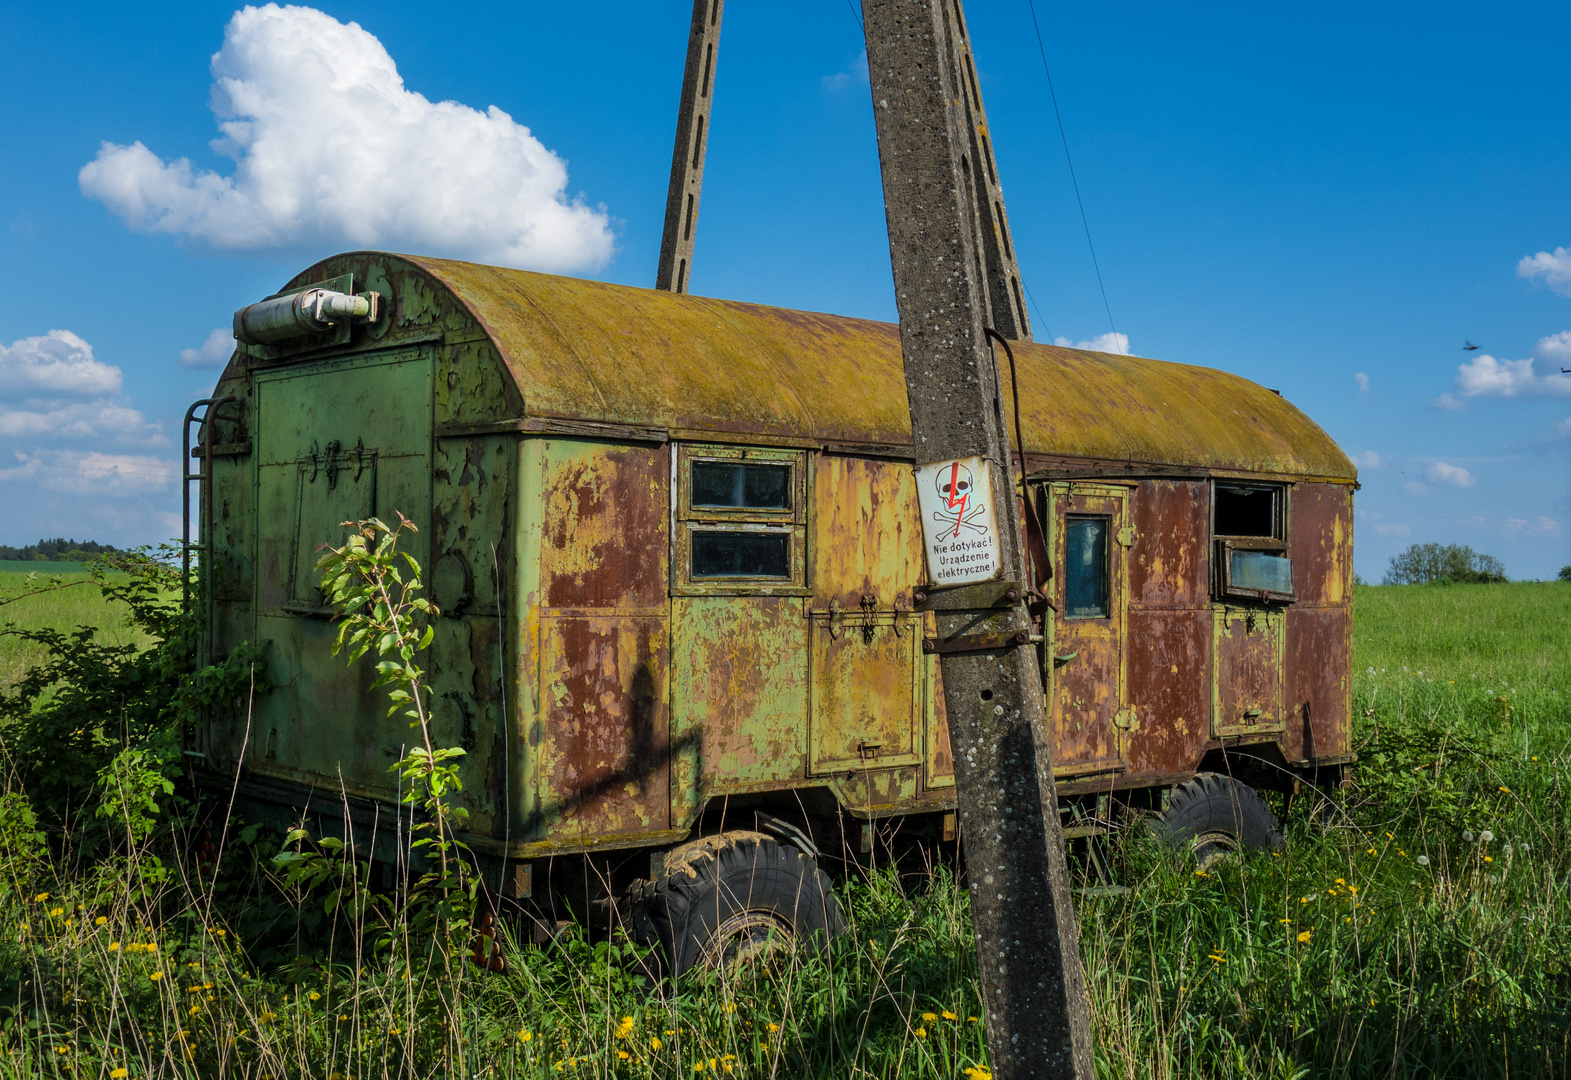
(588, 350)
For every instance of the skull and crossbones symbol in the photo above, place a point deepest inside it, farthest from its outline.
(960, 509)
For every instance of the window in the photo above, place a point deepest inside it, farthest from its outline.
(1249, 524)
(1247, 511)
(1085, 568)
(740, 520)
(742, 485)
(741, 554)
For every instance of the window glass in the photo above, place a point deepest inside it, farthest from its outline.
(1085, 568)
(742, 485)
(1244, 511)
(741, 554)
(1262, 570)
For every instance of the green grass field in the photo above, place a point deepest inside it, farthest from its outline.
(79, 604)
(1419, 930)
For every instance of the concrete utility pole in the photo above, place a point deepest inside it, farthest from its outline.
(687, 155)
(1033, 986)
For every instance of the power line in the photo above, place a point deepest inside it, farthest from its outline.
(1042, 49)
(857, 15)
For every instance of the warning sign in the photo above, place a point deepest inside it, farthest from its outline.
(961, 534)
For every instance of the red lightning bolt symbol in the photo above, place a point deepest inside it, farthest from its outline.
(954, 477)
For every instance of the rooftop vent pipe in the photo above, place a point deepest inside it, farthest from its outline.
(314, 311)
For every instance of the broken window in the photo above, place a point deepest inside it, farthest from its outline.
(1247, 511)
(1249, 524)
(1085, 567)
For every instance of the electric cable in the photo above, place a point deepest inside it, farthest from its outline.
(1042, 50)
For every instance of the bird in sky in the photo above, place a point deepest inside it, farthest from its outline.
(1468, 346)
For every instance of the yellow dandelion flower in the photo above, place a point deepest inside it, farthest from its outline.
(100, 920)
(1201, 873)
(1371, 851)
(1306, 935)
(267, 1018)
(1489, 858)
(392, 1031)
(655, 1043)
(314, 996)
(979, 1072)
(1218, 959)
(625, 1028)
(949, 1015)
(41, 897)
(194, 1010)
(921, 1033)
(56, 912)
(929, 1017)
(772, 1028)
(525, 1035)
(623, 1055)
(1505, 791)
(729, 1007)
(1339, 881)
(155, 976)
(117, 1074)
(114, 946)
(343, 1016)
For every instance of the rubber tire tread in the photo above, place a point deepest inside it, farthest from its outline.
(724, 875)
(1212, 802)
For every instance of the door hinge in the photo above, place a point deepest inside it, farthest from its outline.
(1126, 720)
(1126, 536)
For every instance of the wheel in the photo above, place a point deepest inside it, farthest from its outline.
(737, 898)
(1215, 816)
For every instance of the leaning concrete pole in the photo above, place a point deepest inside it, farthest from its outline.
(687, 154)
(1038, 1022)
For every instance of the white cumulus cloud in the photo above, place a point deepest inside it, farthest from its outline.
(56, 363)
(1363, 382)
(1554, 268)
(853, 75)
(1393, 528)
(1413, 487)
(214, 352)
(1451, 475)
(329, 146)
(1487, 376)
(1110, 342)
(1367, 460)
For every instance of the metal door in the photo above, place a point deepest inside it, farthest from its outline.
(1088, 670)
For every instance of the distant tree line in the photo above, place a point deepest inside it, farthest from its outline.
(57, 550)
(1441, 564)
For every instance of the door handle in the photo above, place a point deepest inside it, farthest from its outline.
(1057, 660)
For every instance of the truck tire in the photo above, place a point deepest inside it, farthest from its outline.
(739, 896)
(1214, 816)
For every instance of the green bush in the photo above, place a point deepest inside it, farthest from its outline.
(1434, 564)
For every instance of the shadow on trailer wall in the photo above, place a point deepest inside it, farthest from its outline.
(676, 548)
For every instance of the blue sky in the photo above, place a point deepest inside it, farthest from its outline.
(1327, 200)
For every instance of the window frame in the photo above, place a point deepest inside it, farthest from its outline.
(688, 519)
(1107, 565)
(1224, 545)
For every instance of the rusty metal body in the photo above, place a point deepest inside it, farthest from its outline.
(544, 433)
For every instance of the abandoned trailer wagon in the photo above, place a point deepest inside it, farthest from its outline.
(676, 550)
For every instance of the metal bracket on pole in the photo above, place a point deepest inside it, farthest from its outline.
(688, 152)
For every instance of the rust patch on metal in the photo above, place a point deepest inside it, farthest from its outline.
(604, 508)
(605, 745)
(1170, 688)
(1321, 543)
(1319, 654)
(1169, 567)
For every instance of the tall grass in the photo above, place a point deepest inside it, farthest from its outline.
(1418, 929)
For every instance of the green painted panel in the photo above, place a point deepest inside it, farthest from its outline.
(738, 696)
